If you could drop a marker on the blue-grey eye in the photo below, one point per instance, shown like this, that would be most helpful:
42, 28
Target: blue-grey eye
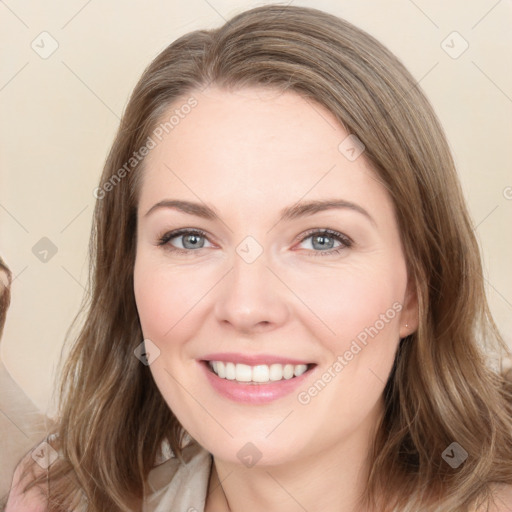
192, 241
189, 240
322, 242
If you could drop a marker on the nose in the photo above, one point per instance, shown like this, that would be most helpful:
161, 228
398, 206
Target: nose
251, 298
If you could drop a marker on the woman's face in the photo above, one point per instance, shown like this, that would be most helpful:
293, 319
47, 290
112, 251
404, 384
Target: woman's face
258, 282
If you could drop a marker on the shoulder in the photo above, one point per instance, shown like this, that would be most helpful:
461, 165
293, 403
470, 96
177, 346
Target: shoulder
32, 501
194, 460
502, 496
500, 499
174, 483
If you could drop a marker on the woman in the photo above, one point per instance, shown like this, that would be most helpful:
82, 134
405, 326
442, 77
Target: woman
280, 379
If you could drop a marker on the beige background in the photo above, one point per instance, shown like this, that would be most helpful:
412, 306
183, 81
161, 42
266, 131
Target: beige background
59, 115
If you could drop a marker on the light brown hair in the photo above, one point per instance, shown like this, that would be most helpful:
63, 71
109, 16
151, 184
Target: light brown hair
5, 292
441, 388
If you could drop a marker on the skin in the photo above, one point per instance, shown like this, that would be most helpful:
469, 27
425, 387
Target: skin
248, 154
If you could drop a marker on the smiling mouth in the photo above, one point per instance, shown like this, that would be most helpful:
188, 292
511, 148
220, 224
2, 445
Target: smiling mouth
257, 374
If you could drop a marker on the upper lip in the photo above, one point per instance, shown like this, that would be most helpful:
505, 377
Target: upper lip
252, 359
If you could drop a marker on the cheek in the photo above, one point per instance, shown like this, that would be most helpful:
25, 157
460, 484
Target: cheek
346, 303
359, 332
164, 297
150, 295
359, 307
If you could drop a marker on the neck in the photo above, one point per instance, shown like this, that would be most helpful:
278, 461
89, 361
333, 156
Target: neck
331, 480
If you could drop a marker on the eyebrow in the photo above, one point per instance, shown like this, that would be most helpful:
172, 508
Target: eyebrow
295, 211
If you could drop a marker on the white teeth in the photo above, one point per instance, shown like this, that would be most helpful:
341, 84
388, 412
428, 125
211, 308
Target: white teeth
220, 369
300, 369
260, 373
230, 371
288, 371
243, 372
276, 372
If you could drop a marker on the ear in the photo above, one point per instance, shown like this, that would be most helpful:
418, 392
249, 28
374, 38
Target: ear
410, 313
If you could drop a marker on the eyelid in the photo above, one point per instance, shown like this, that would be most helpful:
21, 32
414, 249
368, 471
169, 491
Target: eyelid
167, 236
326, 231
345, 241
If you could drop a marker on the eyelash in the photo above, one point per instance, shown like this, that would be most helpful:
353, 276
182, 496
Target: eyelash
164, 240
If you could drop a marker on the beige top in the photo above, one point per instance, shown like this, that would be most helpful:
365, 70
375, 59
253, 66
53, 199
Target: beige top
174, 486
171, 486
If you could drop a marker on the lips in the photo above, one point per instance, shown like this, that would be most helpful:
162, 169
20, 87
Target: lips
255, 378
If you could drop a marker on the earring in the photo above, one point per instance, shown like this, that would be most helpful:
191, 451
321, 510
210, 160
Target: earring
406, 325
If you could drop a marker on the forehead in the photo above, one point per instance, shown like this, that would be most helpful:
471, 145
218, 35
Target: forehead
253, 146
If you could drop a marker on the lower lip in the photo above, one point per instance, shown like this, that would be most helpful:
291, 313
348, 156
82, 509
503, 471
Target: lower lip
249, 393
